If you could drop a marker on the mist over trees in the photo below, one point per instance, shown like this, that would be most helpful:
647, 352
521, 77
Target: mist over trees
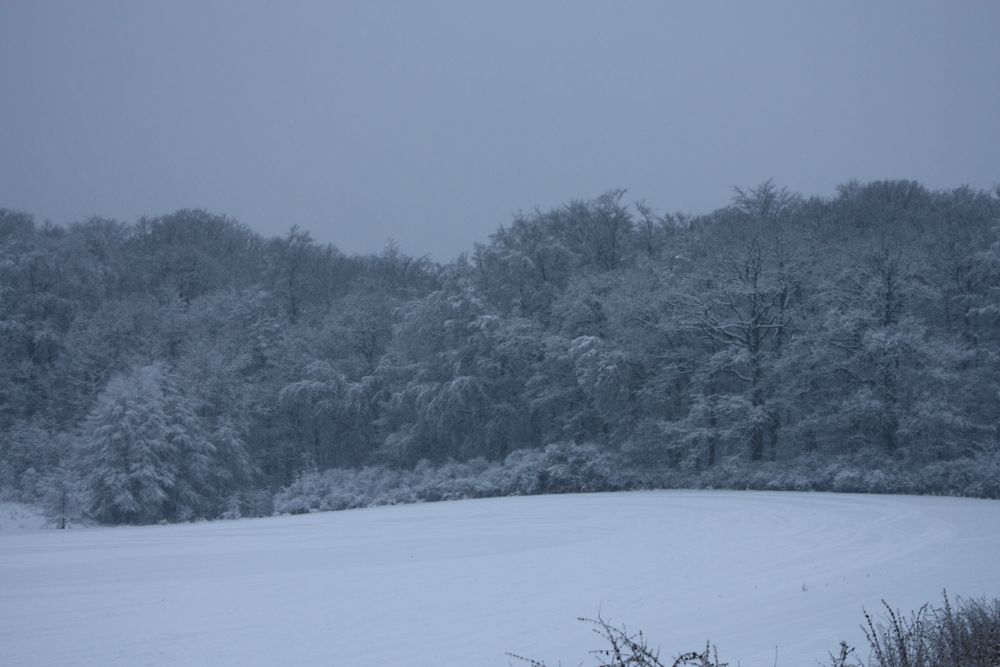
185, 367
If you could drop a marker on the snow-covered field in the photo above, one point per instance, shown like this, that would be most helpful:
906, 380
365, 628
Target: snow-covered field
460, 583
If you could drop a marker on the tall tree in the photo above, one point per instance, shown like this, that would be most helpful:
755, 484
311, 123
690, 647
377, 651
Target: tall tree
740, 307
144, 451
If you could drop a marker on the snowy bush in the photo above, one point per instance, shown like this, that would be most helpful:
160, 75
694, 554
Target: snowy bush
848, 481
559, 468
877, 481
581, 468
20, 516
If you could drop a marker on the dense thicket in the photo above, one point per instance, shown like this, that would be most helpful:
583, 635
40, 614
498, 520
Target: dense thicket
184, 366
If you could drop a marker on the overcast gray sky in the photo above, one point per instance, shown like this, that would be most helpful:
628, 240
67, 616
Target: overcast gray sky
433, 122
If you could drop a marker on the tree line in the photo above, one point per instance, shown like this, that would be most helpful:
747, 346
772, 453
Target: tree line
185, 366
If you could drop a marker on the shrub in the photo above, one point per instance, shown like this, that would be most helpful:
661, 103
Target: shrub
965, 635
574, 468
625, 649
559, 468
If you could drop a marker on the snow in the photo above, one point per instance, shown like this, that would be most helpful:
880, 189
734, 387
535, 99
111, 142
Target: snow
461, 583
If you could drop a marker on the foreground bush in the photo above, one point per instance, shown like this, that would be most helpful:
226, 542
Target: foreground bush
966, 635
625, 649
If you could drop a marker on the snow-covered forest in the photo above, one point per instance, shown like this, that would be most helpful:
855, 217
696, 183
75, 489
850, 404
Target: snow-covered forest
185, 367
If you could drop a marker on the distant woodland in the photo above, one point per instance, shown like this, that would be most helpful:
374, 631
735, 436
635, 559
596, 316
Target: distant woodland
185, 367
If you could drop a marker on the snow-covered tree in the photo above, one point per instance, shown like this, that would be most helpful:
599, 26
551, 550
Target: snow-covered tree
145, 453
740, 306
63, 496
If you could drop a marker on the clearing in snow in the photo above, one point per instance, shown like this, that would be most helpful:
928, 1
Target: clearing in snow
461, 583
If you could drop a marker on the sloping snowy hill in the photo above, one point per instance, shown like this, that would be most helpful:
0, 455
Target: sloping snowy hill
460, 583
